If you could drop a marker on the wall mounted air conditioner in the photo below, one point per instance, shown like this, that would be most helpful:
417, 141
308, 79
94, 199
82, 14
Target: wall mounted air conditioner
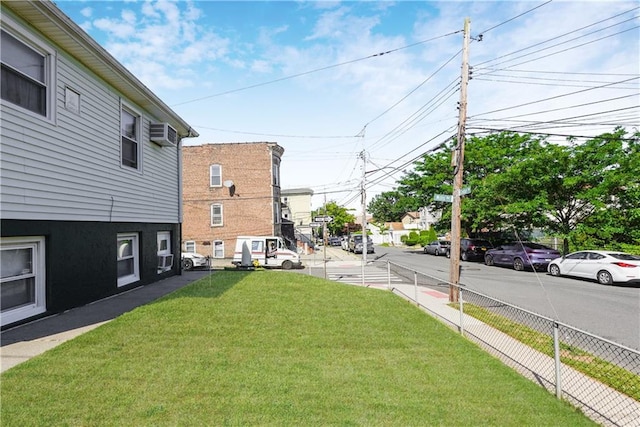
163, 134
165, 261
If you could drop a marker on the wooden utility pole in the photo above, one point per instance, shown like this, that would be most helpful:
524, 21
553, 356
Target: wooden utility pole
457, 161
365, 240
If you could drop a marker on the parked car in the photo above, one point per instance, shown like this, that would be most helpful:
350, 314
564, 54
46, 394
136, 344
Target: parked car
472, 249
335, 241
192, 259
607, 267
355, 244
437, 247
521, 256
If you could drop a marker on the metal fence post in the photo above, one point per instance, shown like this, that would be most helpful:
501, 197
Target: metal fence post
556, 353
415, 286
388, 275
460, 304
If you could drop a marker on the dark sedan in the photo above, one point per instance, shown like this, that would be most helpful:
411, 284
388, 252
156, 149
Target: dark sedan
521, 256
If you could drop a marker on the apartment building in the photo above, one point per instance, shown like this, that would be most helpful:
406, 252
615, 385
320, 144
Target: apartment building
229, 190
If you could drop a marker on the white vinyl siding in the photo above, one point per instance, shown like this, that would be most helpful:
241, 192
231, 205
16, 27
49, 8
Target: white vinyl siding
72, 171
23, 278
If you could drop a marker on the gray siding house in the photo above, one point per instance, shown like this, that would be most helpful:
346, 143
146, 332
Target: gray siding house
90, 173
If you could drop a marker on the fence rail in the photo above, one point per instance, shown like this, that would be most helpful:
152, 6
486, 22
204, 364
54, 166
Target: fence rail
598, 376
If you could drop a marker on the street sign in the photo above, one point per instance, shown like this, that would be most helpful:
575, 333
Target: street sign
315, 224
443, 198
465, 190
325, 218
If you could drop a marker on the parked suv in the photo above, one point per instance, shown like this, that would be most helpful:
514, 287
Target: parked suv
521, 255
355, 244
472, 249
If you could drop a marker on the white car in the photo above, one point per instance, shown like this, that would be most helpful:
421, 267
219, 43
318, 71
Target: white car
607, 267
192, 259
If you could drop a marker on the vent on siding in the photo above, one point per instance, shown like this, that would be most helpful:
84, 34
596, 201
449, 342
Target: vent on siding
163, 134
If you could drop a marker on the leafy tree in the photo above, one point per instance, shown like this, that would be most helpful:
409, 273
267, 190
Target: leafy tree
340, 215
390, 206
570, 190
587, 193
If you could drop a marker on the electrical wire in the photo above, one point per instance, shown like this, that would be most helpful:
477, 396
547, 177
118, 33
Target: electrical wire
304, 73
515, 17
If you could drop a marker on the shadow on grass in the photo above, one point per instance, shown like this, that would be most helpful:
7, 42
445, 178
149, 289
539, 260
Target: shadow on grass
107, 308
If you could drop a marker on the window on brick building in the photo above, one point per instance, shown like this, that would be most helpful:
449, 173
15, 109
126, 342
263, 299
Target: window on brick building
218, 249
216, 215
215, 176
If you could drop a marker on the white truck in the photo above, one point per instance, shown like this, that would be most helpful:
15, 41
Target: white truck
264, 251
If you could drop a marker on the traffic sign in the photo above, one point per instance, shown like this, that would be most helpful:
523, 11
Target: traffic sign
315, 224
325, 218
443, 198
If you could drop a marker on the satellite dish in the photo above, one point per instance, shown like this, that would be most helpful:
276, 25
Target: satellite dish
228, 183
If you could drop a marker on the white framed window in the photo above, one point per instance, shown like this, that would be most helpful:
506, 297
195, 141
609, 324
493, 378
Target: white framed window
190, 246
28, 72
130, 131
215, 175
165, 257
128, 258
218, 249
22, 278
216, 215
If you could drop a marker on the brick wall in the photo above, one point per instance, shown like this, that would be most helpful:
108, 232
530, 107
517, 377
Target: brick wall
249, 211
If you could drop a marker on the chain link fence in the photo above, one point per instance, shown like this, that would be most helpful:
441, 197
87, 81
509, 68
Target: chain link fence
598, 376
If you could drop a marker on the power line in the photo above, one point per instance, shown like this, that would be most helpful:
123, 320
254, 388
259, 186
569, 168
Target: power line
304, 73
515, 17
555, 97
563, 35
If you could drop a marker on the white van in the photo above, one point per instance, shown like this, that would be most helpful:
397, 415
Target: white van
266, 251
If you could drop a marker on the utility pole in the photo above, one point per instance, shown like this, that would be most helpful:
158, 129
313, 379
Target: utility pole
365, 241
457, 161
324, 239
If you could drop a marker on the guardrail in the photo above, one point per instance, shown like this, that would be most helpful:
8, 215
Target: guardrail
598, 376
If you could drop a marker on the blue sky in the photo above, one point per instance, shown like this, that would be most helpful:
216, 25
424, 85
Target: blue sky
308, 75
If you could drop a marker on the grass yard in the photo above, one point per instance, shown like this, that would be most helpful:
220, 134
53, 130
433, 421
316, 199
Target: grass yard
274, 348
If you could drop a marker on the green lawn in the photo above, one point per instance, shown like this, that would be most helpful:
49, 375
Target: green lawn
274, 348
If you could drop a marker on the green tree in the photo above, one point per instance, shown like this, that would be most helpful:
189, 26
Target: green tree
340, 214
390, 206
584, 193
587, 193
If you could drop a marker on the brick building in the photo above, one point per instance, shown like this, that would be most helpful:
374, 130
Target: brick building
229, 190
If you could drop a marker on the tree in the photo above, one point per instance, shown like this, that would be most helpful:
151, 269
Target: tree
587, 193
574, 190
340, 217
390, 206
